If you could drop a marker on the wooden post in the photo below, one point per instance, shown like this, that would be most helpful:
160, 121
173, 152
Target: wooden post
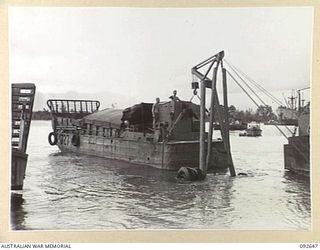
226, 125
221, 122
213, 88
202, 158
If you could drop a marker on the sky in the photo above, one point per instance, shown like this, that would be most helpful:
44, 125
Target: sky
138, 54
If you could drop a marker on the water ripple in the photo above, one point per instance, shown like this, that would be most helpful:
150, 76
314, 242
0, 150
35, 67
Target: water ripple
68, 191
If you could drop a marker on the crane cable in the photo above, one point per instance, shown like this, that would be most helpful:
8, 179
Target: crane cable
242, 88
258, 106
251, 90
299, 150
247, 85
266, 92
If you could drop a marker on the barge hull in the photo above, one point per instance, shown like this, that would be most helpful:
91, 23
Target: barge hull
174, 156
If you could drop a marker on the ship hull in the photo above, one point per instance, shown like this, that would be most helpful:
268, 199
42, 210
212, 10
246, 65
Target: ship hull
293, 159
167, 156
18, 169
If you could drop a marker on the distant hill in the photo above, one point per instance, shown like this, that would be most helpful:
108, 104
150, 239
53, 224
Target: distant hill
107, 99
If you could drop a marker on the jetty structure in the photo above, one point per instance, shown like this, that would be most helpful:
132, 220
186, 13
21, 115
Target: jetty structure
21, 113
176, 139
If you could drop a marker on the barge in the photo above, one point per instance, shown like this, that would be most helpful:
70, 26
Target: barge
132, 135
21, 114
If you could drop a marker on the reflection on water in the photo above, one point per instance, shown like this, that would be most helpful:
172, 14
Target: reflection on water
68, 191
17, 215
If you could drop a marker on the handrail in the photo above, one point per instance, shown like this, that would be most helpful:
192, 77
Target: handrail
73, 106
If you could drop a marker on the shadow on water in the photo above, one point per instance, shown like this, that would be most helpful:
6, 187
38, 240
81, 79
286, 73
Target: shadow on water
17, 212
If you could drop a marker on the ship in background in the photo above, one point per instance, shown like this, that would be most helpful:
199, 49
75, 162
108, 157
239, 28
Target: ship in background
288, 114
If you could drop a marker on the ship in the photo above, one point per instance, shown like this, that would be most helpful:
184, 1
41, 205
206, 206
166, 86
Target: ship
288, 114
79, 126
297, 150
21, 114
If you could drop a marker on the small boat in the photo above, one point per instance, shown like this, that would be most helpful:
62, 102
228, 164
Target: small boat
253, 129
22, 104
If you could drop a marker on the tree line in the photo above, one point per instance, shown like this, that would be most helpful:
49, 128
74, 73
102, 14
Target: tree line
261, 114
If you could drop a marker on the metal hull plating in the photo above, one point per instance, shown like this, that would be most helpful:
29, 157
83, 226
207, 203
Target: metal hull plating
293, 159
18, 169
168, 156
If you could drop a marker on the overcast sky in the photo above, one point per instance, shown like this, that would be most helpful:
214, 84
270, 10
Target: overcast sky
145, 53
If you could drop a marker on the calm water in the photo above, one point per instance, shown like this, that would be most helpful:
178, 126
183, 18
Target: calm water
67, 191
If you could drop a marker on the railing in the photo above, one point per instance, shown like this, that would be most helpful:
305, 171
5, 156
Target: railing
61, 106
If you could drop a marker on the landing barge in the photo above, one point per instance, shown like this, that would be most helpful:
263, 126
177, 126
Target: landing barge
129, 135
21, 113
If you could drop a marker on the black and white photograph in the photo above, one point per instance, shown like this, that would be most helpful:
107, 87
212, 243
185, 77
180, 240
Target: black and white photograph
133, 118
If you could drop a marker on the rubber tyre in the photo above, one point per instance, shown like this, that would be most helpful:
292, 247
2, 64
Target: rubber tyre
75, 140
55, 139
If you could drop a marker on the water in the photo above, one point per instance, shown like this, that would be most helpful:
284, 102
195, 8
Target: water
68, 191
